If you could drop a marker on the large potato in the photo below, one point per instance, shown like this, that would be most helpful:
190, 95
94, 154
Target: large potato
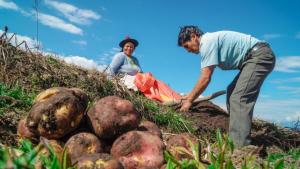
180, 140
83, 143
151, 127
98, 161
112, 116
57, 111
138, 149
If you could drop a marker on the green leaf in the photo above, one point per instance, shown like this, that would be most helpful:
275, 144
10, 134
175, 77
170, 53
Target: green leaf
279, 164
170, 164
54, 164
64, 159
211, 167
219, 139
26, 146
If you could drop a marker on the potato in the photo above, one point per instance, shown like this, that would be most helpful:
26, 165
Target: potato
151, 127
112, 116
139, 149
24, 132
180, 140
98, 161
83, 143
57, 111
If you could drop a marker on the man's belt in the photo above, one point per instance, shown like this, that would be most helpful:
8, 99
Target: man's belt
255, 48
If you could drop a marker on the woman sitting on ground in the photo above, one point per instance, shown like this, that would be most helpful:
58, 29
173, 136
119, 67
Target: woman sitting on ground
124, 62
128, 67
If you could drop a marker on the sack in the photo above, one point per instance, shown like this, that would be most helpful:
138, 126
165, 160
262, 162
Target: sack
154, 89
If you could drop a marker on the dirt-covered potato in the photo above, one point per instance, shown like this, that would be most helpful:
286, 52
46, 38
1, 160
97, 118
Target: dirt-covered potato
112, 116
180, 140
24, 132
83, 143
151, 127
138, 149
98, 161
57, 111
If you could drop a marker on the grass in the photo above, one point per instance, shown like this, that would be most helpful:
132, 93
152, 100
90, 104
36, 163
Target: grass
14, 97
26, 156
161, 115
219, 156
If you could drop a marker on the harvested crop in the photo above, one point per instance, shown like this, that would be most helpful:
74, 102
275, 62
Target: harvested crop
81, 144
57, 111
150, 127
138, 149
112, 116
98, 161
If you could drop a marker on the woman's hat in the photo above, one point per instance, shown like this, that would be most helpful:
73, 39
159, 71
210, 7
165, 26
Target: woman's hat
128, 39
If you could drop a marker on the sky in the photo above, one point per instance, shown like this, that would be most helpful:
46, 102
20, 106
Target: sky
87, 33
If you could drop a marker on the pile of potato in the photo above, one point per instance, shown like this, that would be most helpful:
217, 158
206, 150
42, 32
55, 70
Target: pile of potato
116, 139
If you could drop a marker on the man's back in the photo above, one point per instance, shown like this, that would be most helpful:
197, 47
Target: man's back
226, 49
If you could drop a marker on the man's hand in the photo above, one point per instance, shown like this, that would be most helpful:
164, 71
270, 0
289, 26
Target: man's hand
186, 104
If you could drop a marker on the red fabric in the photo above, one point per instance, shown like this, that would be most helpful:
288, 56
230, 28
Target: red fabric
154, 89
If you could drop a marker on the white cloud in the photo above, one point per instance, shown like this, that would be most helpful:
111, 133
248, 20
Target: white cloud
74, 14
8, 5
83, 62
80, 42
271, 36
45, 19
20, 38
277, 110
58, 23
288, 64
107, 56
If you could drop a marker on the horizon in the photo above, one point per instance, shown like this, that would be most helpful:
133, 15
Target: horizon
88, 34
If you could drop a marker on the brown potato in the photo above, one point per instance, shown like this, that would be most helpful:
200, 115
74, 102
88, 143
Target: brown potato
151, 127
57, 111
24, 132
180, 140
98, 161
112, 116
83, 143
138, 149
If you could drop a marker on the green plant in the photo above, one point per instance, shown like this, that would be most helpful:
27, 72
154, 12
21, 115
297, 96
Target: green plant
225, 147
14, 97
290, 159
162, 115
26, 156
174, 120
192, 162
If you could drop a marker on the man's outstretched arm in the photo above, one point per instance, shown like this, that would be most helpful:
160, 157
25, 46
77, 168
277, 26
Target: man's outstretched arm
202, 83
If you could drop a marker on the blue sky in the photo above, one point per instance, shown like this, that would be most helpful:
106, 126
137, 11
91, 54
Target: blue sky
88, 33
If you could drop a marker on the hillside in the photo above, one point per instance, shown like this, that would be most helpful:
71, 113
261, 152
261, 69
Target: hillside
27, 73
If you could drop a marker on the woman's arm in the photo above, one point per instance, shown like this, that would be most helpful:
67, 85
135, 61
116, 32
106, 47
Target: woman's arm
116, 63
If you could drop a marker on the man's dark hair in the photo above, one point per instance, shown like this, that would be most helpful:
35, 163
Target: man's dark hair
185, 33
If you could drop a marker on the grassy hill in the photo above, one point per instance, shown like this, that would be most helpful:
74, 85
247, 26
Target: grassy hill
24, 74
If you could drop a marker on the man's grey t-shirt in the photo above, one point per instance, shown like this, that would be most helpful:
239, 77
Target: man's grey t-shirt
226, 49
